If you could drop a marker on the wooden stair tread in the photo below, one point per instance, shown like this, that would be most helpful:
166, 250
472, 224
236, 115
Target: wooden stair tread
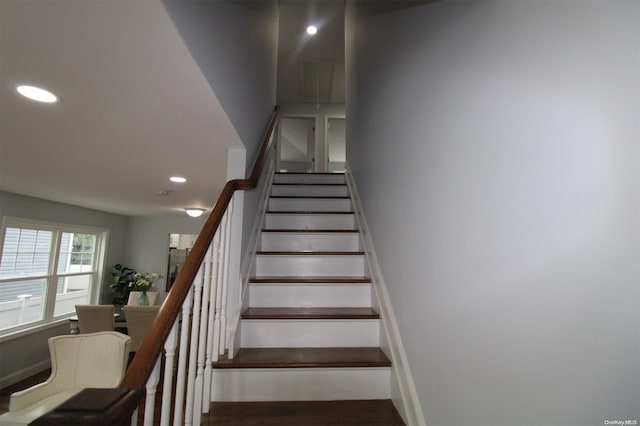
310, 280
303, 231
310, 173
342, 357
324, 197
372, 412
307, 212
308, 184
310, 253
310, 313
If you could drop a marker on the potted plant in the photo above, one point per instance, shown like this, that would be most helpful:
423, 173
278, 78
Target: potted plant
123, 279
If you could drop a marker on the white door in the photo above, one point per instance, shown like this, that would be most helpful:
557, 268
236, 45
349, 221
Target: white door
297, 142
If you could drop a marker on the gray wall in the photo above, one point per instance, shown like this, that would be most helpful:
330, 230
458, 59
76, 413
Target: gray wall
495, 148
147, 247
235, 44
30, 351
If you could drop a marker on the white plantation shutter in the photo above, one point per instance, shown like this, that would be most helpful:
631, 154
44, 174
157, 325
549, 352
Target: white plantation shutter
25, 252
45, 265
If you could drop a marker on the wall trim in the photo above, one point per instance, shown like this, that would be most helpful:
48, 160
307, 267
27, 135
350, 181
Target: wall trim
403, 391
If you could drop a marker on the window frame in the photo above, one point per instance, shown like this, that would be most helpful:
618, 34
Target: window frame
52, 274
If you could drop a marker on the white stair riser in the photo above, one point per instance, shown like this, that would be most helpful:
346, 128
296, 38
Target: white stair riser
300, 384
308, 178
309, 266
314, 241
309, 333
310, 204
310, 295
310, 190
309, 221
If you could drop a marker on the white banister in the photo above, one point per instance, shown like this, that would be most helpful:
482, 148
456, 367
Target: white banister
202, 338
170, 351
196, 340
150, 401
193, 347
219, 284
212, 282
181, 378
225, 282
134, 417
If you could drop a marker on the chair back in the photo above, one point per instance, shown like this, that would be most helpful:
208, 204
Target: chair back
135, 295
139, 320
95, 360
95, 318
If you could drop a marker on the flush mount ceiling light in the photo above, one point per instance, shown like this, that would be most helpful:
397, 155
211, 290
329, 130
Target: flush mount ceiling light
178, 179
37, 94
194, 211
312, 29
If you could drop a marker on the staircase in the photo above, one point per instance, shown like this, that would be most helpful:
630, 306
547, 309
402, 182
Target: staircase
309, 332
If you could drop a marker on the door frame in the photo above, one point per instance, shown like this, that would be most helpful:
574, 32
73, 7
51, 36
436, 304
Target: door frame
311, 151
328, 117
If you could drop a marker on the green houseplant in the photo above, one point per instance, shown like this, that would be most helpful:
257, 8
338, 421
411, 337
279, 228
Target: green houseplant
123, 278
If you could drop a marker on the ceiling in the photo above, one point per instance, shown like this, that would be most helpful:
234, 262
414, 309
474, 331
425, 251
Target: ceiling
311, 68
128, 97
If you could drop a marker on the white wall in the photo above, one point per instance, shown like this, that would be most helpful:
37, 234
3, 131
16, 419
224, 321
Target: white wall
25, 355
235, 45
495, 148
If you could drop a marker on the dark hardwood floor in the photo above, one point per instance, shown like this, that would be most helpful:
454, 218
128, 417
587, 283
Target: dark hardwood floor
305, 413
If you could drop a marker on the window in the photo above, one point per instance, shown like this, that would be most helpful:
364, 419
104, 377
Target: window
45, 270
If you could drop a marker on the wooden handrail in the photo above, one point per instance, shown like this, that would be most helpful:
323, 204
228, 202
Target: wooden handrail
144, 361
140, 369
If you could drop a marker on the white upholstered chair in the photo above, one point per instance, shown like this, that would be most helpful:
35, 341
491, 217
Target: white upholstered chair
94, 318
139, 320
135, 295
96, 360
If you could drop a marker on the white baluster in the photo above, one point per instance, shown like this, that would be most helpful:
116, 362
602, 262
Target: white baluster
225, 281
134, 417
167, 387
150, 400
181, 378
193, 347
219, 279
202, 338
206, 394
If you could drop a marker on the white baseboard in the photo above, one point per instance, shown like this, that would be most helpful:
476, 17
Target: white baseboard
403, 391
17, 376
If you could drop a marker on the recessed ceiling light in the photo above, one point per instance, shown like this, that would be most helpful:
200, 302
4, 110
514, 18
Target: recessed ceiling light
194, 211
37, 94
311, 29
178, 179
